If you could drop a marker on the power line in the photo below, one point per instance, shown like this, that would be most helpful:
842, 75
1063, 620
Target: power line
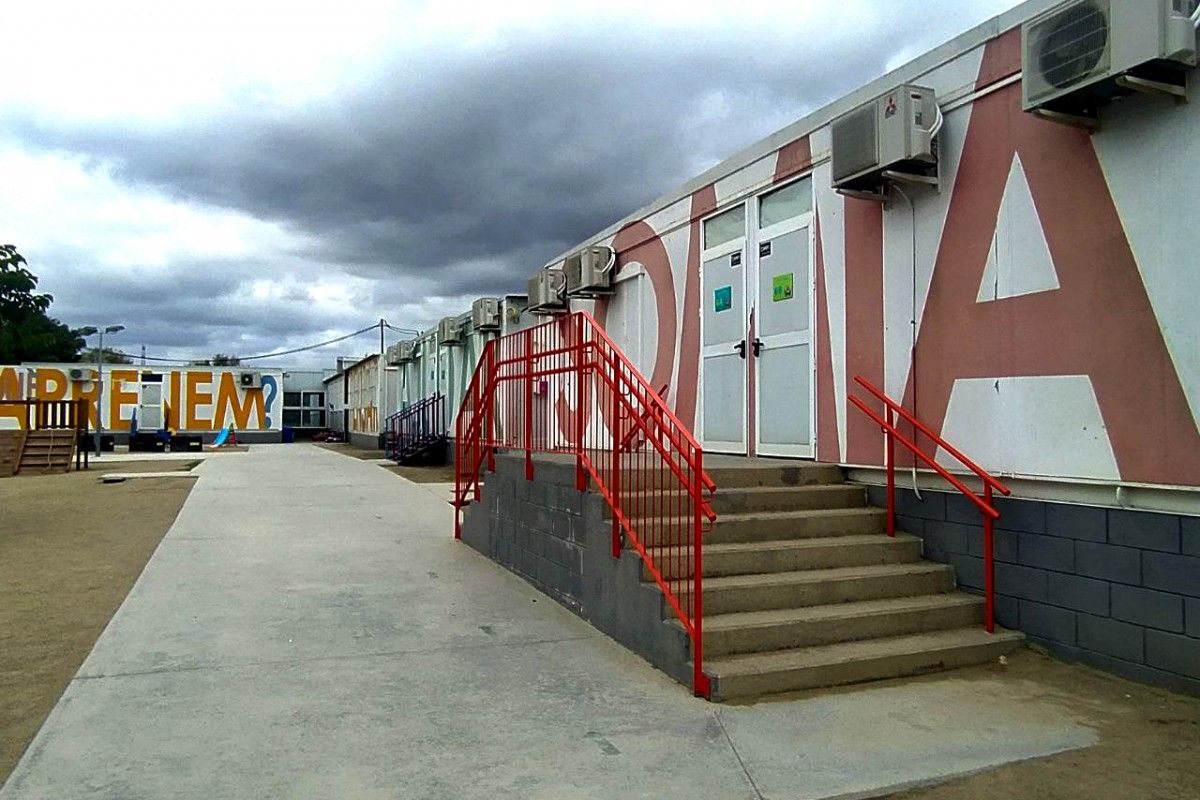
185, 360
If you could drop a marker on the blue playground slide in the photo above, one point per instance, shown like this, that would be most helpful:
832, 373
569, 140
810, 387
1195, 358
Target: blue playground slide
222, 436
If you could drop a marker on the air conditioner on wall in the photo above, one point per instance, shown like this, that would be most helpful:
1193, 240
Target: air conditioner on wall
1082, 54
891, 138
449, 331
589, 272
400, 353
546, 292
485, 313
77, 374
250, 380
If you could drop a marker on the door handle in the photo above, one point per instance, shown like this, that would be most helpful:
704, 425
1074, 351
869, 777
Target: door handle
741, 348
757, 346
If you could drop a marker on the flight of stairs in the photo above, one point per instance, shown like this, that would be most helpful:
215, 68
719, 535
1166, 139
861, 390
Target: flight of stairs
47, 451
11, 442
803, 588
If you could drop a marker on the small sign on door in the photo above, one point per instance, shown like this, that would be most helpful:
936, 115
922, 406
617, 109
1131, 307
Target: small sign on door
722, 298
781, 287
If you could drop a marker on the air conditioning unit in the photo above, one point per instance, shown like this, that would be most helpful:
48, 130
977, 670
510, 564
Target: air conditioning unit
546, 292
1083, 53
449, 331
77, 374
400, 353
589, 272
890, 138
250, 380
485, 313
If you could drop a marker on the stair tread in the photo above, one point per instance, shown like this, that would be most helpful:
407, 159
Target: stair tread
823, 575
812, 543
860, 650
858, 608
805, 513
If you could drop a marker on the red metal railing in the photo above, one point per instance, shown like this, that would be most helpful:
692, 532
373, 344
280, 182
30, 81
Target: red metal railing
984, 504
37, 415
565, 387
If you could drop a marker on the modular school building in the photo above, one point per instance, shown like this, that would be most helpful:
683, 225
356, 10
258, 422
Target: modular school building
1024, 280
258, 403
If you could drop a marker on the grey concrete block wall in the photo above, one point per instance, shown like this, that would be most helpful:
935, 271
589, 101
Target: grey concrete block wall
559, 540
1115, 588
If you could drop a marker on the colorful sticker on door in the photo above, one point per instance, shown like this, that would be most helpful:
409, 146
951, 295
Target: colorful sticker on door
722, 298
781, 287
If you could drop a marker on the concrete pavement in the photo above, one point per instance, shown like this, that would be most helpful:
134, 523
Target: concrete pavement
308, 628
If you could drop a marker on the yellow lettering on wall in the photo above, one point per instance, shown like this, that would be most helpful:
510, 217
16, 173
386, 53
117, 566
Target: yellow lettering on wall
196, 398
10, 389
86, 390
119, 397
49, 384
228, 394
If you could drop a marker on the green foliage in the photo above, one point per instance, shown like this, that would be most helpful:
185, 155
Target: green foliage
219, 360
108, 356
26, 332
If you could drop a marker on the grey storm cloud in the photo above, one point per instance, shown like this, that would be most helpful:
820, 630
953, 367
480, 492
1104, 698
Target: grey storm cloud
456, 172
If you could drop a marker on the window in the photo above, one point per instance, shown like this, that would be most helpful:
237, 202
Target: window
725, 227
304, 409
783, 204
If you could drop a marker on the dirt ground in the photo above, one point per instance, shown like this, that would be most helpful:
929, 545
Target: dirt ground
442, 474
354, 451
1149, 746
424, 474
71, 547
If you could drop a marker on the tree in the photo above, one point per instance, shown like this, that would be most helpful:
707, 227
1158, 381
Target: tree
26, 332
219, 360
108, 356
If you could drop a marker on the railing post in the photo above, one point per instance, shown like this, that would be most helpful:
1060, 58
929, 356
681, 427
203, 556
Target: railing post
989, 567
616, 463
579, 419
891, 473
700, 683
489, 402
529, 404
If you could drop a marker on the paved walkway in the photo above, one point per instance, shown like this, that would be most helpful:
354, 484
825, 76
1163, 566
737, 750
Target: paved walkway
309, 629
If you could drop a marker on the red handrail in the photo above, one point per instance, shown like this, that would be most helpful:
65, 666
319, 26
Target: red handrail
565, 387
984, 504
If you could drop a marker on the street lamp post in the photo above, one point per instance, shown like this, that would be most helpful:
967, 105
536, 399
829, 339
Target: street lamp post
89, 331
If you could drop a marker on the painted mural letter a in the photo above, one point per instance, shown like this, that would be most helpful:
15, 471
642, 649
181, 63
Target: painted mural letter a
1097, 322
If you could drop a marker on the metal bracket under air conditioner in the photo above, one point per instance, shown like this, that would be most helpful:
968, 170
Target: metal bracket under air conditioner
1176, 91
894, 176
1085, 121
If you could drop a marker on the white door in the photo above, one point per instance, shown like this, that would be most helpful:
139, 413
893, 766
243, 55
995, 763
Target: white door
783, 347
150, 404
723, 320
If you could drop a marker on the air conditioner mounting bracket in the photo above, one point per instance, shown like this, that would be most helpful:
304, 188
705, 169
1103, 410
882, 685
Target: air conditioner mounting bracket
1176, 91
1090, 123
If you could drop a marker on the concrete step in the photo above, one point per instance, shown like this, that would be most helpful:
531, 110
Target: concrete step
740, 500
813, 523
789, 628
817, 587
765, 472
788, 555
759, 674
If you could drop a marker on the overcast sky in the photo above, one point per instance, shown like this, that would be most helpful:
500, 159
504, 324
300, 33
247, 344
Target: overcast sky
248, 176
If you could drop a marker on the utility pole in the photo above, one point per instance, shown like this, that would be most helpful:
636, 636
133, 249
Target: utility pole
143, 355
382, 322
